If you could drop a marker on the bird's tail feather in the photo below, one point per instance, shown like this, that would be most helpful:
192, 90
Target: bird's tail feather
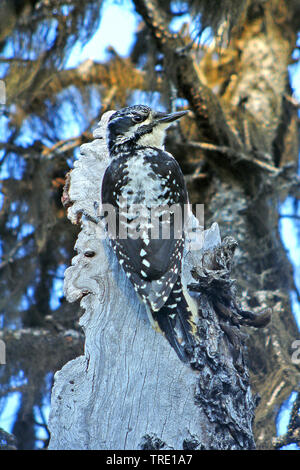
175, 319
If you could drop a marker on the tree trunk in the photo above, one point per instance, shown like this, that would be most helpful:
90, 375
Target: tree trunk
247, 123
130, 390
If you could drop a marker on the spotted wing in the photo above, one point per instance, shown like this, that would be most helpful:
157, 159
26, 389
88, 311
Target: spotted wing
152, 264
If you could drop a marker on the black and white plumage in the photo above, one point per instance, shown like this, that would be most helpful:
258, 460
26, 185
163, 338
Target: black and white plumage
143, 177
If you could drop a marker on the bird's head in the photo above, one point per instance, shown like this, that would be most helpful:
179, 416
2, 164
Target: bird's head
138, 126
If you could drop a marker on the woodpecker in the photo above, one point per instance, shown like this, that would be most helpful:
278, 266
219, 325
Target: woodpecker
142, 175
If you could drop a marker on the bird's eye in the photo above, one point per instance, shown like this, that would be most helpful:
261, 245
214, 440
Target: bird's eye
137, 118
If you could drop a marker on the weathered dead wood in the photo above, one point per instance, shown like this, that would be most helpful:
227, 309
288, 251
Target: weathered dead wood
129, 390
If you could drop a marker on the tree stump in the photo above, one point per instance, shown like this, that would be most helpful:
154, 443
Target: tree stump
130, 390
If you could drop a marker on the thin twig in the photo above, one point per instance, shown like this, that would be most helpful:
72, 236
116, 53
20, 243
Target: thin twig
10, 256
62, 146
69, 144
239, 156
290, 216
292, 100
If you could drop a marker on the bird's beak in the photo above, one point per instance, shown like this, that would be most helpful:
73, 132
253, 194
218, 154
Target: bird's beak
166, 118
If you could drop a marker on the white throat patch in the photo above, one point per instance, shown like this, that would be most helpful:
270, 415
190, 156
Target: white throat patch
155, 138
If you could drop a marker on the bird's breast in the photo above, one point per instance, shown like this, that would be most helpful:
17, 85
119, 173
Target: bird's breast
144, 184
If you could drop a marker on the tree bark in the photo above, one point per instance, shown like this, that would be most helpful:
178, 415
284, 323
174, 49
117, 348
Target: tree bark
130, 390
247, 125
